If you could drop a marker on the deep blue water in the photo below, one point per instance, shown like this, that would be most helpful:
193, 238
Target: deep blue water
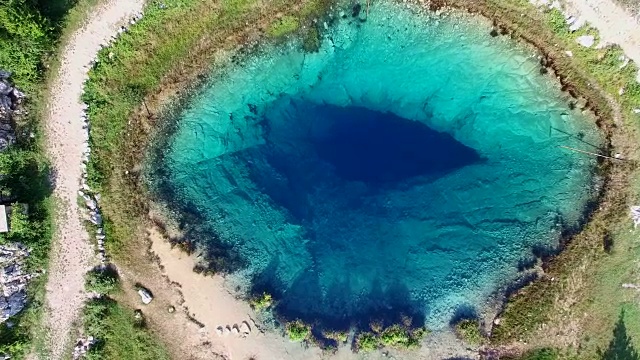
407, 167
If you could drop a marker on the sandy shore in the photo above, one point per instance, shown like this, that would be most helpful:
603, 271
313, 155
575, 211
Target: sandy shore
71, 251
210, 301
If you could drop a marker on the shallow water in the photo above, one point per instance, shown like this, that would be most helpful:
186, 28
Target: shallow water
409, 167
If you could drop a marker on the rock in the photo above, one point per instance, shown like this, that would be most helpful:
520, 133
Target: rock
636, 111
5, 75
145, 295
235, 330
621, 91
244, 328
96, 218
219, 330
569, 53
5, 89
13, 281
171, 309
91, 204
226, 331
586, 40
17, 94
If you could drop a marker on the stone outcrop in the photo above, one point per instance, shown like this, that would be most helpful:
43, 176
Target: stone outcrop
13, 280
82, 347
10, 100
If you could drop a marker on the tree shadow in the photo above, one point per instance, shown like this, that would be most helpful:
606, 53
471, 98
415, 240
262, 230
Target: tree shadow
620, 347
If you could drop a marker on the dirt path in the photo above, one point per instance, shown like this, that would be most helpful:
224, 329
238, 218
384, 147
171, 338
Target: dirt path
615, 24
72, 253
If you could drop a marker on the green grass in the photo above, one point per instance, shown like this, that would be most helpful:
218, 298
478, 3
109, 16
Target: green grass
120, 334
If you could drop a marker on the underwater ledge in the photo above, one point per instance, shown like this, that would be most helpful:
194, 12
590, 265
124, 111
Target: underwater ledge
598, 106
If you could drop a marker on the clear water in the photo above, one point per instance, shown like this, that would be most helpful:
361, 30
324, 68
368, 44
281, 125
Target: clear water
408, 167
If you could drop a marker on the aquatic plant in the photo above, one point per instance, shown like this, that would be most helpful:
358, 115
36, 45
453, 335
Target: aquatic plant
297, 330
261, 302
283, 26
339, 336
367, 341
469, 331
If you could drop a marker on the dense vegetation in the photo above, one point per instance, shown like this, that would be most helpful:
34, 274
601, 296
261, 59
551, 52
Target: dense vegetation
28, 33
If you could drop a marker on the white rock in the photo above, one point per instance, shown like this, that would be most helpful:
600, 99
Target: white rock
569, 53
235, 330
586, 40
145, 296
226, 331
219, 330
636, 111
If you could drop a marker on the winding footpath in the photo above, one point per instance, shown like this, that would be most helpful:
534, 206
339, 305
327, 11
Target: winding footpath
72, 252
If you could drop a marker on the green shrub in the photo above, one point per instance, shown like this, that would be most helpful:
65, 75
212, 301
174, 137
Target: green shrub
261, 302
469, 331
284, 26
103, 280
557, 22
297, 330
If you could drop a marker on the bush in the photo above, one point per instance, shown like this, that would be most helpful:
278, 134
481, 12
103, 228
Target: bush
103, 280
298, 331
469, 331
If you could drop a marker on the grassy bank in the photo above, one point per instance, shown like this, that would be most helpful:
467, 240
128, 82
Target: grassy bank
572, 310
120, 332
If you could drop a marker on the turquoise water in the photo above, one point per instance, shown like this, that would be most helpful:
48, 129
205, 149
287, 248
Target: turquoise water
409, 166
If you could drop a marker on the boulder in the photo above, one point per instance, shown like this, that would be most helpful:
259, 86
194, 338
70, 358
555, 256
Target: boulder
145, 295
226, 331
235, 330
219, 330
5, 89
586, 40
